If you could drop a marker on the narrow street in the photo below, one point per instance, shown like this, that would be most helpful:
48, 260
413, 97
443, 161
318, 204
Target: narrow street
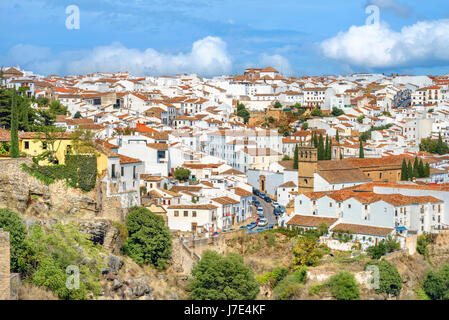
267, 210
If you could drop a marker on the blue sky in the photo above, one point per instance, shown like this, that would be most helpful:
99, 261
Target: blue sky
212, 37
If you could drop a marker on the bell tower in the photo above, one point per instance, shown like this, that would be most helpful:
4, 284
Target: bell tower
307, 166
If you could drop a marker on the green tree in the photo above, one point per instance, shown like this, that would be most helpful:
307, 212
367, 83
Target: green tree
415, 168
285, 129
12, 223
296, 157
361, 151
15, 152
291, 285
306, 252
404, 175
243, 113
360, 119
421, 244
320, 149
329, 149
441, 147
336, 112
410, 170
436, 283
427, 170
277, 105
77, 115
337, 137
286, 158
316, 112
305, 126
343, 286
390, 281
323, 229
182, 173
421, 169
149, 239
217, 277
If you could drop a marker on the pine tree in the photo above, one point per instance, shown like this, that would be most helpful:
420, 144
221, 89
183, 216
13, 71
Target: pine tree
427, 170
361, 151
421, 169
321, 148
410, 170
296, 157
15, 153
404, 175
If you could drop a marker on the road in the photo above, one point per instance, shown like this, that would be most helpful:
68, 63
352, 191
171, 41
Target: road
267, 210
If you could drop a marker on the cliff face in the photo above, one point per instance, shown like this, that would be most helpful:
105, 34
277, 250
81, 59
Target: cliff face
25, 194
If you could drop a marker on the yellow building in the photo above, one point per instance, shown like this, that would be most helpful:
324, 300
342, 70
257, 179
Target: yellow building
34, 144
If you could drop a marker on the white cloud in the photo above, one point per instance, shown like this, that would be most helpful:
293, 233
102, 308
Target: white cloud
399, 9
278, 62
378, 46
207, 57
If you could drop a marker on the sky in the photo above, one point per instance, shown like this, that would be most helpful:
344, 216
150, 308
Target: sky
216, 37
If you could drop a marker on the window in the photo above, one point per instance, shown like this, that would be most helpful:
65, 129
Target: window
113, 171
193, 213
186, 213
349, 206
176, 213
366, 207
330, 204
134, 172
27, 145
122, 171
314, 202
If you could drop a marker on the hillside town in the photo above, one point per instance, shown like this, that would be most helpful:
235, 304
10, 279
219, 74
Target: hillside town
238, 134
364, 156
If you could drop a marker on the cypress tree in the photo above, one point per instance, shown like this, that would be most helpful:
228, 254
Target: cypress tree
329, 152
427, 170
410, 170
315, 140
15, 153
415, 168
296, 157
361, 151
341, 155
440, 147
326, 148
337, 137
404, 175
321, 148
421, 169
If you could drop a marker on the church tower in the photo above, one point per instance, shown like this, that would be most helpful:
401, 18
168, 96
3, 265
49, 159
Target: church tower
307, 166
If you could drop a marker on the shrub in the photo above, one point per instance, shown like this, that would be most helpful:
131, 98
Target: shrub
436, 283
422, 243
273, 277
217, 277
50, 253
182, 173
12, 223
390, 281
307, 252
343, 286
291, 285
149, 239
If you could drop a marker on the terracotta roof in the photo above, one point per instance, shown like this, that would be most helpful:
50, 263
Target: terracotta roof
288, 184
5, 135
193, 206
362, 229
225, 200
127, 160
158, 146
310, 221
241, 192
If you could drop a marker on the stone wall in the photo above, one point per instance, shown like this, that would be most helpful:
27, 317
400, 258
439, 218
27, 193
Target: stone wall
5, 282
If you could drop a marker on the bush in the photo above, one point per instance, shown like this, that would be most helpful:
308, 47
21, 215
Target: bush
50, 253
273, 277
307, 252
217, 277
422, 243
12, 223
182, 173
390, 281
387, 245
436, 283
343, 286
291, 285
149, 239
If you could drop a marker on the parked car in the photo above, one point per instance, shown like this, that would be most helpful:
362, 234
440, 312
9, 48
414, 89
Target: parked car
257, 203
262, 195
256, 192
267, 199
242, 227
259, 211
282, 209
277, 211
252, 225
275, 204
262, 222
